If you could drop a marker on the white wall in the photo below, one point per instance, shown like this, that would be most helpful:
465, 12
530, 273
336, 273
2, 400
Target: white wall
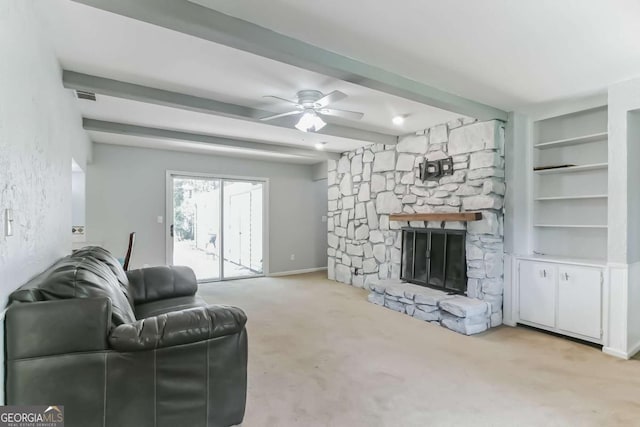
78, 197
319, 171
319, 231
39, 131
126, 192
517, 200
633, 205
624, 149
623, 211
517, 205
633, 295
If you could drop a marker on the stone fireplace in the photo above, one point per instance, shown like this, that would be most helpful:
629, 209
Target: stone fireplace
368, 185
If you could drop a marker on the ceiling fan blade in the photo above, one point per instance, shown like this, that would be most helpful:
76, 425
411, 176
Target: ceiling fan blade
281, 99
330, 98
350, 115
277, 116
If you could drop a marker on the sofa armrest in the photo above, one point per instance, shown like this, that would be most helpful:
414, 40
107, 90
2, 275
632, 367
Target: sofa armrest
57, 327
178, 327
155, 283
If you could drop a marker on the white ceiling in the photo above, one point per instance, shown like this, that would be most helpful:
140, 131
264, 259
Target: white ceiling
505, 53
95, 42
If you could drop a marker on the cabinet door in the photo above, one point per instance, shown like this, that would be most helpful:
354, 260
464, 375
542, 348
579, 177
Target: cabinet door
580, 300
538, 292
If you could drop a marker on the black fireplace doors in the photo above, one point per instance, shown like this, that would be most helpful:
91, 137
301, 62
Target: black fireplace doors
435, 258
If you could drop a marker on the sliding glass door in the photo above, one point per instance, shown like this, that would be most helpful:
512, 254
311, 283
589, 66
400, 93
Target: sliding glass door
217, 226
242, 236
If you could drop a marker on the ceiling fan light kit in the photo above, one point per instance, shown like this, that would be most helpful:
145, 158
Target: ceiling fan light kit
312, 105
310, 122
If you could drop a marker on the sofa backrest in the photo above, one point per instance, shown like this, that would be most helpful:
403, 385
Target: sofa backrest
103, 255
78, 276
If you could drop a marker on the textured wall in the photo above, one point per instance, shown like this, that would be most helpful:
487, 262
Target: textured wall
126, 192
369, 184
40, 130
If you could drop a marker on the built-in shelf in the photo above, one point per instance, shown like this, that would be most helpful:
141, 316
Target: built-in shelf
585, 197
454, 216
569, 195
572, 141
604, 227
570, 169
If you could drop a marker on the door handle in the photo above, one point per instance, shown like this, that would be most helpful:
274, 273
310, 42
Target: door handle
171, 230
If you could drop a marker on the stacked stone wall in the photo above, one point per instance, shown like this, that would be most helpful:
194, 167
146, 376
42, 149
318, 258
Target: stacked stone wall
365, 186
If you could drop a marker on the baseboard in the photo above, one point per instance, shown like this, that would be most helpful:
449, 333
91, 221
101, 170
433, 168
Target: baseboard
634, 350
615, 353
294, 272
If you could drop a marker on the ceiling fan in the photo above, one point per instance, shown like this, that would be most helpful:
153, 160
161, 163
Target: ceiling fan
312, 104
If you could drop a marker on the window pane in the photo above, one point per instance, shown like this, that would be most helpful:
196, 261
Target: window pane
243, 213
196, 225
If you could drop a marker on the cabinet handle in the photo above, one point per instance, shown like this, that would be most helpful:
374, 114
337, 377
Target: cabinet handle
544, 273
566, 276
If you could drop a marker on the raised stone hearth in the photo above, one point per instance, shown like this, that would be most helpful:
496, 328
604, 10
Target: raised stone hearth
459, 313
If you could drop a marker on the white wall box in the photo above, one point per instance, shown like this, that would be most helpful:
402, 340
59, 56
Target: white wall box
562, 298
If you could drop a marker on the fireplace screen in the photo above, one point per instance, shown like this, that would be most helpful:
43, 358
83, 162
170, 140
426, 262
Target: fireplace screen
434, 258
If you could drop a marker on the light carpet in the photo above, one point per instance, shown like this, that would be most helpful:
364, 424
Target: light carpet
321, 355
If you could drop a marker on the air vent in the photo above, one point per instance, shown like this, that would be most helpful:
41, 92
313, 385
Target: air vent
82, 94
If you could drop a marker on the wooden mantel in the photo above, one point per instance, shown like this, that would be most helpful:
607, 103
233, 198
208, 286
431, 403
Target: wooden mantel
457, 216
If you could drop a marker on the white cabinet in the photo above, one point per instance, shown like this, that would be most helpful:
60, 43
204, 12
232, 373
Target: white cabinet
538, 293
579, 299
562, 298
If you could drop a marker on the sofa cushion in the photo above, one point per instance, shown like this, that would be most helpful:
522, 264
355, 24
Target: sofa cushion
168, 305
161, 282
78, 277
178, 327
30, 291
104, 256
